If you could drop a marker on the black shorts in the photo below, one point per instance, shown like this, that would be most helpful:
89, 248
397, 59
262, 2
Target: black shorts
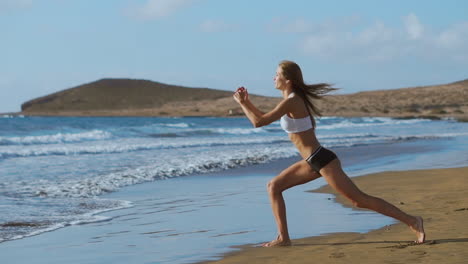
320, 158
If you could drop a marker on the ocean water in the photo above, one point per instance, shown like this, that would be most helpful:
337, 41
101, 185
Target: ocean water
56, 171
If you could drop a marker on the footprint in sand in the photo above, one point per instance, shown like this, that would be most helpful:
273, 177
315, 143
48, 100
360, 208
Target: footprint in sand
337, 255
419, 252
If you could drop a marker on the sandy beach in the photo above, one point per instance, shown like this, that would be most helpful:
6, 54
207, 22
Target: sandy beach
440, 196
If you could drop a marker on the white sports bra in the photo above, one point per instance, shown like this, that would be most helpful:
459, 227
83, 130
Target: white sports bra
295, 125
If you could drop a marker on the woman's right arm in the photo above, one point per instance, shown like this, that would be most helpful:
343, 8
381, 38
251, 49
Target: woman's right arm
253, 108
257, 117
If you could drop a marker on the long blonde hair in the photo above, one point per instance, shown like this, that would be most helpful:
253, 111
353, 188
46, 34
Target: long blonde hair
308, 92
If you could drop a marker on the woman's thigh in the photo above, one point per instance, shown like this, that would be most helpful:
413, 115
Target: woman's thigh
296, 174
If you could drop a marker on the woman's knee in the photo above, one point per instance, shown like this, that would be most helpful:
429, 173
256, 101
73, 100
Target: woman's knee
360, 201
357, 203
274, 187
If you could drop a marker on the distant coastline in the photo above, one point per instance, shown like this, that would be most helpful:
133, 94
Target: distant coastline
127, 97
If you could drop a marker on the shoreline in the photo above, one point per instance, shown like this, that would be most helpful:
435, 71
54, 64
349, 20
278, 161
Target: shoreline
442, 200
457, 117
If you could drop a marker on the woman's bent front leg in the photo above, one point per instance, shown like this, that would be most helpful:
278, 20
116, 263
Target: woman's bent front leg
296, 174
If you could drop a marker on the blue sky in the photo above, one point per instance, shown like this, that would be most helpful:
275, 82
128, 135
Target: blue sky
51, 45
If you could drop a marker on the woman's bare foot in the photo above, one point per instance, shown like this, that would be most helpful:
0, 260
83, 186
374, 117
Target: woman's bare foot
278, 242
418, 228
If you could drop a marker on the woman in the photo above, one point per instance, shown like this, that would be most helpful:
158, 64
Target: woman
296, 112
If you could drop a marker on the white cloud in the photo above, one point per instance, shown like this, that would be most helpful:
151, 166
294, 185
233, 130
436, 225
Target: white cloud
455, 36
370, 43
301, 25
212, 26
321, 43
414, 28
379, 42
454, 40
9, 5
298, 26
157, 9
377, 33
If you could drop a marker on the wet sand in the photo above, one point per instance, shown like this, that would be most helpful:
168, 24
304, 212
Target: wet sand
440, 196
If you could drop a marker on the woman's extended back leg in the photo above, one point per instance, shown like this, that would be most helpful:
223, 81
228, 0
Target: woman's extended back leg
338, 180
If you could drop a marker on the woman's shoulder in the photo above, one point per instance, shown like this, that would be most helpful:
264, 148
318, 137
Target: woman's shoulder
297, 105
294, 98
290, 102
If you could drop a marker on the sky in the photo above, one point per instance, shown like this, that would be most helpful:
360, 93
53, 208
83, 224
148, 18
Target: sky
360, 45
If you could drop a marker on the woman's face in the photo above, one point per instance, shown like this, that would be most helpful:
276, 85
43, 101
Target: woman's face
280, 81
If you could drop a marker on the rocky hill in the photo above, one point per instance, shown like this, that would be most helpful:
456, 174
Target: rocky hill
115, 95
